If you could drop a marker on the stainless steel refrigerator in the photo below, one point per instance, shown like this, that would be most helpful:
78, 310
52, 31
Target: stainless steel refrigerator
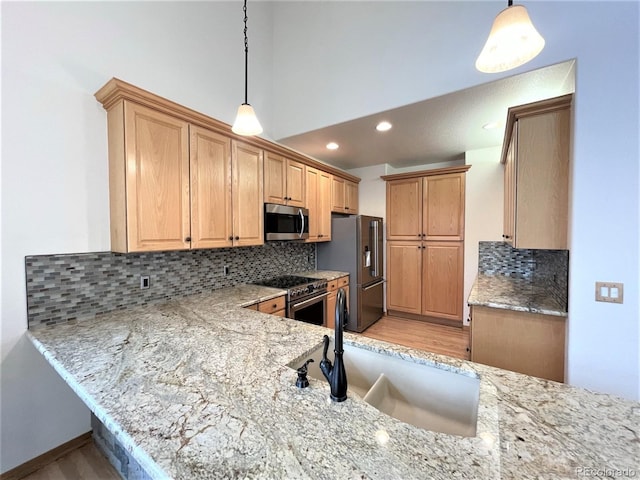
356, 247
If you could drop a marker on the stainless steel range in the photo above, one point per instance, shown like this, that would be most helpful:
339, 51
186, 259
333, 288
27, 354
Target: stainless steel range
306, 297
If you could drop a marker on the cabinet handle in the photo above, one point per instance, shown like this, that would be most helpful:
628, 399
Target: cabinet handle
346, 208
188, 239
237, 238
231, 237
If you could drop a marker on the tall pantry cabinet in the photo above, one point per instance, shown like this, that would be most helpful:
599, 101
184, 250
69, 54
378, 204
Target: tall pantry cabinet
425, 244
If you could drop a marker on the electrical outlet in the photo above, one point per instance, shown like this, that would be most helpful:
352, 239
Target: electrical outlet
226, 270
610, 292
145, 282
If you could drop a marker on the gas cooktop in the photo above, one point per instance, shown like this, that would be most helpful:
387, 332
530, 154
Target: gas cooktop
286, 281
296, 286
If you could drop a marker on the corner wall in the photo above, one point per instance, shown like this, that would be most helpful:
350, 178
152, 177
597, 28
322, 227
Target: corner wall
483, 209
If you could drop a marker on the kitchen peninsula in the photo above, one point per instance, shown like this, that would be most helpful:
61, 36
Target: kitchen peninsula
199, 387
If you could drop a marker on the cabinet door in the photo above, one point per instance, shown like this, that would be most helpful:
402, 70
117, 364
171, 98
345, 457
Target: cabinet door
510, 189
337, 195
211, 214
443, 208
542, 172
404, 209
350, 197
246, 201
157, 180
523, 342
296, 184
324, 206
313, 195
442, 279
404, 271
275, 178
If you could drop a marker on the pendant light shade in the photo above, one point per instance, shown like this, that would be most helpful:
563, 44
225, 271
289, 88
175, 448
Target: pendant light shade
246, 123
512, 42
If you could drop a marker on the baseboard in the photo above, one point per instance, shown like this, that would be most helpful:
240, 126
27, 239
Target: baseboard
427, 319
46, 458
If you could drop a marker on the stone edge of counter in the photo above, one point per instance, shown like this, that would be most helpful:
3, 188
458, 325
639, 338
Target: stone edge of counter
323, 274
125, 440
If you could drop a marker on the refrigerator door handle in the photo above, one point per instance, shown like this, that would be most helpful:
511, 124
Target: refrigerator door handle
374, 242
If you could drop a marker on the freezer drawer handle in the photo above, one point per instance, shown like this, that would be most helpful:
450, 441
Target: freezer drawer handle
372, 286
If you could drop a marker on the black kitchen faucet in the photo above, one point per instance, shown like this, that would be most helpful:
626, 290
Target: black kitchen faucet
335, 374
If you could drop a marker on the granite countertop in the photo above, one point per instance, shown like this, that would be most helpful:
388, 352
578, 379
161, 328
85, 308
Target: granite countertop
200, 388
323, 274
499, 291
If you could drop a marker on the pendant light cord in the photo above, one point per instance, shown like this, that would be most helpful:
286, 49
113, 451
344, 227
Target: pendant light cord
246, 54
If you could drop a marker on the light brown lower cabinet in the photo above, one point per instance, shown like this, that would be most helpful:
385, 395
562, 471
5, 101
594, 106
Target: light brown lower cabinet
275, 306
426, 278
523, 342
332, 288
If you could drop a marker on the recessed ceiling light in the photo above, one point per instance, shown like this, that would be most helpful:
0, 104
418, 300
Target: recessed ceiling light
383, 126
332, 146
491, 125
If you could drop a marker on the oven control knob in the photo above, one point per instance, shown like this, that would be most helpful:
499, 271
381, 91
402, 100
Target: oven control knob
310, 288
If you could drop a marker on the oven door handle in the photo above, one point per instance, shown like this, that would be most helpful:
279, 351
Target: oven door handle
301, 304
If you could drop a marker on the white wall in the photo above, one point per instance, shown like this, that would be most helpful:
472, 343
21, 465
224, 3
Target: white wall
54, 153
381, 55
483, 209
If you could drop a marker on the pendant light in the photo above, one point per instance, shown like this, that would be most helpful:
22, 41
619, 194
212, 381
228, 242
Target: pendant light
512, 42
246, 123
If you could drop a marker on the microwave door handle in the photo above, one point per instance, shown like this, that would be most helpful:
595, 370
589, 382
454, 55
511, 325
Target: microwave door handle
302, 226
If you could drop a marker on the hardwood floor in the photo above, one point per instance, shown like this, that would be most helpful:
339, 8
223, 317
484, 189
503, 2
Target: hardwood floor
442, 339
84, 463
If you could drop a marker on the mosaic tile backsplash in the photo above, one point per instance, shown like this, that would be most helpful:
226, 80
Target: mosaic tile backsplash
78, 286
548, 267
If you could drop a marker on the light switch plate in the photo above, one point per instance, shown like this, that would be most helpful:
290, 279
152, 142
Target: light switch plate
610, 292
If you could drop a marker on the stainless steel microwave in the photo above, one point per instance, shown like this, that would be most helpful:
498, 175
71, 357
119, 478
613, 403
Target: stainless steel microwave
282, 222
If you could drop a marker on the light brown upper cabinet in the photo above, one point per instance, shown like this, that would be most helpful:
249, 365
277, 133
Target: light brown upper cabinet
536, 154
318, 192
211, 208
175, 186
179, 179
246, 198
427, 207
284, 181
149, 180
344, 194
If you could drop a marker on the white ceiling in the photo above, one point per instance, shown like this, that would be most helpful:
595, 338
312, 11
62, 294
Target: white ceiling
434, 130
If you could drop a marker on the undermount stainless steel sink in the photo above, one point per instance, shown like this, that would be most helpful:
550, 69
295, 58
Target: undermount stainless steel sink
422, 395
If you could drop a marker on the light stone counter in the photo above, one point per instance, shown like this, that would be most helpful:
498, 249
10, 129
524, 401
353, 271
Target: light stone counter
323, 274
199, 388
499, 291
